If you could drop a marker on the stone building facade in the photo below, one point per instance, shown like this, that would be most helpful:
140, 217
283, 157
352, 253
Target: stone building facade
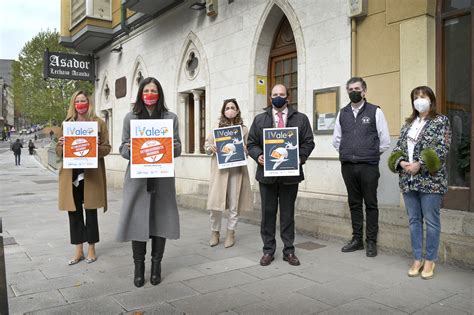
239, 49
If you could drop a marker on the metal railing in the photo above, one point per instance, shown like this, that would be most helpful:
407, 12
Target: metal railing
52, 158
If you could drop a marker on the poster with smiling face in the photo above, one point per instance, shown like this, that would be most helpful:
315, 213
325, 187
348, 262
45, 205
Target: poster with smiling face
281, 152
230, 147
151, 147
80, 144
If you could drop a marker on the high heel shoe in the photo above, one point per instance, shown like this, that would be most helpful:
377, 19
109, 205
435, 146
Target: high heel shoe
426, 275
139, 251
214, 238
415, 272
157, 250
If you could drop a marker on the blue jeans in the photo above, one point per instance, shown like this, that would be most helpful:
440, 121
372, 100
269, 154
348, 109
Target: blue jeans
424, 207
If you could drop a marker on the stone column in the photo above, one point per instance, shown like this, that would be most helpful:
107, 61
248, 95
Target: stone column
181, 112
197, 111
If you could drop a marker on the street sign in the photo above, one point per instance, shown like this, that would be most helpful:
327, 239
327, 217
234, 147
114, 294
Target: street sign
68, 66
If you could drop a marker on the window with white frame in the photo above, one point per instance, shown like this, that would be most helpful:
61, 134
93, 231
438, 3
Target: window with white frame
195, 117
98, 9
106, 115
78, 11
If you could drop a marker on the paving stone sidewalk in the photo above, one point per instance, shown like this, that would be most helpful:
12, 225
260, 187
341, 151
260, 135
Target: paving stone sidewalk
198, 279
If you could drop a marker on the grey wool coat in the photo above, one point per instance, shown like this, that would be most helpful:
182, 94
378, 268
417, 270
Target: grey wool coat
146, 214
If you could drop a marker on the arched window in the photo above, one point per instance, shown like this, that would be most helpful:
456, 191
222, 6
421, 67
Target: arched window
136, 77
283, 65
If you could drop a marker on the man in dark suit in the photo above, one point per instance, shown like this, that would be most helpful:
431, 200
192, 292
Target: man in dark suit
281, 190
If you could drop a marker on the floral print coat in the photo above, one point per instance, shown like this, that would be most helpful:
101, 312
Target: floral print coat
436, 135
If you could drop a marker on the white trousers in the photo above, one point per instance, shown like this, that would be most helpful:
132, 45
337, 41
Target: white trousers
231, 204
216, 218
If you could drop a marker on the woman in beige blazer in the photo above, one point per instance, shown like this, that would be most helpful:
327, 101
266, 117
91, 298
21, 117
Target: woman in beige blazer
84, 189
229, 189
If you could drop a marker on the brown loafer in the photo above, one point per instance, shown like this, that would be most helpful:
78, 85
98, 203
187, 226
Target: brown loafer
292, 259
266, 259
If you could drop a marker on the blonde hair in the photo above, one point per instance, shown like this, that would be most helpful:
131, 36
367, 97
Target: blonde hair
71, 112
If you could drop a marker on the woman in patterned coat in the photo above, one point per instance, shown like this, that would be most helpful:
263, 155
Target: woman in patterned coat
420, 160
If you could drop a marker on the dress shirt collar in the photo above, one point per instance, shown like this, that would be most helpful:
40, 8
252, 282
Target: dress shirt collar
285, 111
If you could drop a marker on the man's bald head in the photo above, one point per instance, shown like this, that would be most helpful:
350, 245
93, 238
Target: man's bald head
279, 97
279, 90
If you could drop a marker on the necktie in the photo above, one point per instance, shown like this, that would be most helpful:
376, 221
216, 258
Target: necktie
281, 123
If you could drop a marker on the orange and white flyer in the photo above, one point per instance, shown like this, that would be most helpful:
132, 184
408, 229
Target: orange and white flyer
151, 147
80, 144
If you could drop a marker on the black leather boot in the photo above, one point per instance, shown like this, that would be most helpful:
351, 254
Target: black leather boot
139, 251
371, 249
157, 250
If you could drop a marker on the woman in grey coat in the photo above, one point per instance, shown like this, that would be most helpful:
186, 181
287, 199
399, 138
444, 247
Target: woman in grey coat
149, 208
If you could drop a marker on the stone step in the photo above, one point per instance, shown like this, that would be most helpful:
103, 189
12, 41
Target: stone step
453, 222
330, 220
202, 189
192, 201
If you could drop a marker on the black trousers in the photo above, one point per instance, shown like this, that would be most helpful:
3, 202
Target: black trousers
272, 195
80, 232
17, 159
361, 181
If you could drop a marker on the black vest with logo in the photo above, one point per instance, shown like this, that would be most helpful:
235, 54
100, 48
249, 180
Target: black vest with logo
359, 137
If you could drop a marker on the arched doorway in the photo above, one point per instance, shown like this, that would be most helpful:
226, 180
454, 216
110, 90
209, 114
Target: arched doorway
283, 62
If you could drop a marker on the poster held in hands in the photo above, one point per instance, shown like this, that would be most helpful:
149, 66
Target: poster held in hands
281, 152
151, 148
80, 144
229, 143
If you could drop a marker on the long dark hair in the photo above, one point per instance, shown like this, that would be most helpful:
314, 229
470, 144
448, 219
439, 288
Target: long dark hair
422, 90
224, 121
139, 106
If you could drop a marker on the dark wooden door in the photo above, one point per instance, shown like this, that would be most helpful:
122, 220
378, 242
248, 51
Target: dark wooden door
283, 63
455, 88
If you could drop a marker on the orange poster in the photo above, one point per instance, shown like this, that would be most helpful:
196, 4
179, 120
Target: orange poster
151, 148
80, 147
80, 144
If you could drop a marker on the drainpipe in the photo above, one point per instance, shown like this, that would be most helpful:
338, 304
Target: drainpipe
353, 46
123, 19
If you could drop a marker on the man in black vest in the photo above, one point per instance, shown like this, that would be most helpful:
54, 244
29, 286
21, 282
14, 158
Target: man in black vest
279, 190
361, 135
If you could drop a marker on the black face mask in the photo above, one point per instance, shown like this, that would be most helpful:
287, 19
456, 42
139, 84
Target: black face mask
279, 101
355, 96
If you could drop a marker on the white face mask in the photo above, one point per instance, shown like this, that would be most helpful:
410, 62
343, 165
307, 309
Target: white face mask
422, 105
